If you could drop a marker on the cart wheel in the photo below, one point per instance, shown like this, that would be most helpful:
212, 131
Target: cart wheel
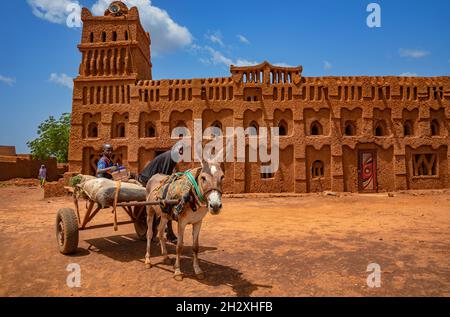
67, 230
140, 225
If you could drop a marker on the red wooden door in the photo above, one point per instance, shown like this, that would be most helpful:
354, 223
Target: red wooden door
367, 171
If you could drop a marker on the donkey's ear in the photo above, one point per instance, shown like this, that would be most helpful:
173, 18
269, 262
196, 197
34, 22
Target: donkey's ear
205, 165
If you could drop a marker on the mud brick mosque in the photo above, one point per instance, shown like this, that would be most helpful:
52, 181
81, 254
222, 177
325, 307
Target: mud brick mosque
366, 134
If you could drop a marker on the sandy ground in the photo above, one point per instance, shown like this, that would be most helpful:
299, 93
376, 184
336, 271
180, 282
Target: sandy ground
297, 246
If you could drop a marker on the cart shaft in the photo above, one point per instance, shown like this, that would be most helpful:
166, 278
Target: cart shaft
148, 203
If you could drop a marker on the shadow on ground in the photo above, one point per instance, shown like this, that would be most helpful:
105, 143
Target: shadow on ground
126, 248
217, 275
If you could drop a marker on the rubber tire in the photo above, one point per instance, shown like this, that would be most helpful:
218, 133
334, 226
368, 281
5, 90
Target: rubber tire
70, 221
140, 227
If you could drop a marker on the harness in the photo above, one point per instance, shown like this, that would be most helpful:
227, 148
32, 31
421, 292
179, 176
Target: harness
199, 197
165, 185
193, 181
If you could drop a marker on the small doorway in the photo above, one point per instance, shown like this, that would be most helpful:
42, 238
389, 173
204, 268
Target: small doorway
367, 171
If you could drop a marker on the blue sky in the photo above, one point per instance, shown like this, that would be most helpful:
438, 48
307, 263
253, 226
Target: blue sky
200, 38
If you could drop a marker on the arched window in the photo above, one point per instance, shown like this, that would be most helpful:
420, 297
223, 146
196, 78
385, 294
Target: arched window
317, 169
380, 129
408, 128
282, 128
114, 36
150, 131
203, 93
316, 128
255, 127
120, 130
91, 37
126, 35
435, 129
103, 36
350, 128
92, 130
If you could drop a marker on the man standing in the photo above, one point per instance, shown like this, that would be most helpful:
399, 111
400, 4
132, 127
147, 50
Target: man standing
105, 165
42, 175
162, 164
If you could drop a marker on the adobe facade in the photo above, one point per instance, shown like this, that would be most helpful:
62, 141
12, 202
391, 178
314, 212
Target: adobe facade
356, 133
13, 165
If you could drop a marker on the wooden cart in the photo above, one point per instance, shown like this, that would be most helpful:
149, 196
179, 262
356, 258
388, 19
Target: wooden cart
69, 222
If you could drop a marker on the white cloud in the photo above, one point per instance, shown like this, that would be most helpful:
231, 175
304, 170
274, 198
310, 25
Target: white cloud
7, 80
54, 11
215, 37
408, 74
166, 34
243, 39
282, 65
413, 53
327, 65
244, 62
61, 79
218, 58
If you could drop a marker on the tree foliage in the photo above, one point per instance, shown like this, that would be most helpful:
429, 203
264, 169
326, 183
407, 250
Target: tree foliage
53, 139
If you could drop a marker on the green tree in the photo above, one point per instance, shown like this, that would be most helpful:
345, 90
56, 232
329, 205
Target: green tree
53, 139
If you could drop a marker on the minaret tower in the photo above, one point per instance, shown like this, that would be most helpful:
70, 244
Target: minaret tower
115, 52
115, 45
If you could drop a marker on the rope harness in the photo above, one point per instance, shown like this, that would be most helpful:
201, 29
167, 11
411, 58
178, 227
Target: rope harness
194, 183
199, 195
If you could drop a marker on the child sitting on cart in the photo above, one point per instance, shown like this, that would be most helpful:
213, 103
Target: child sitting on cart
105, 165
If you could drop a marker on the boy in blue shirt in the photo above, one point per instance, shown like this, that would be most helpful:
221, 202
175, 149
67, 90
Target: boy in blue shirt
105, 166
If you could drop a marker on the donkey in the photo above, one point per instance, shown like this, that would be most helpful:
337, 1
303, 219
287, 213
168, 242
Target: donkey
209, 179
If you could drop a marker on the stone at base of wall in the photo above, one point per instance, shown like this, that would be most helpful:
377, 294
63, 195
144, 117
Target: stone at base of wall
55, 189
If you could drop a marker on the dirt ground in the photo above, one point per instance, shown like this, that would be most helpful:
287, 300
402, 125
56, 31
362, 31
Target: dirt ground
312, 245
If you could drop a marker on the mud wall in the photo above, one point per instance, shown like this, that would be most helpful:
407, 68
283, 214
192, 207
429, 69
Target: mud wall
7, 150
26, 167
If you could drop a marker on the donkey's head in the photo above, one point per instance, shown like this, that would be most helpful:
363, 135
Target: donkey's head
210, 181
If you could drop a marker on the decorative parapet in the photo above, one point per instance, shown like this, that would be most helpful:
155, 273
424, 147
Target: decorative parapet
385, 88
265, 73
186, 89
